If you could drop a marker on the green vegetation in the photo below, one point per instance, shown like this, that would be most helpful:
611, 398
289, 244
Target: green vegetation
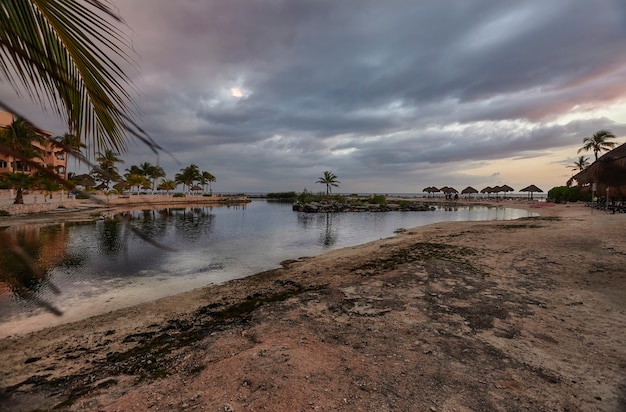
562, 194
286, 196
4, 213
309, 197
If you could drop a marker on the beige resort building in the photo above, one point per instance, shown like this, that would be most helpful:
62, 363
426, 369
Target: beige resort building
55, 156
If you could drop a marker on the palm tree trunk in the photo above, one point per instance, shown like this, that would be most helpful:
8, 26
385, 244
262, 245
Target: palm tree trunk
19, 197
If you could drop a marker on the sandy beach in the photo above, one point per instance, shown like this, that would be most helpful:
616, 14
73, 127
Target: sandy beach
458, 316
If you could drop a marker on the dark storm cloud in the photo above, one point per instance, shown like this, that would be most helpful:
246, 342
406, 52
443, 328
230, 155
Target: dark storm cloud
367, 87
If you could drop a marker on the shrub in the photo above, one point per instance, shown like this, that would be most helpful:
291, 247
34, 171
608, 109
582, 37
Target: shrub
4, 213
178, 195
282, 195
380, 200
562, 194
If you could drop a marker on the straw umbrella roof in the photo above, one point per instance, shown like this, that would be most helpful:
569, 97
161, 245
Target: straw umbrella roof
430, 189
609, 169
487, 189
447, 189
531, 188
468, 190
507, 188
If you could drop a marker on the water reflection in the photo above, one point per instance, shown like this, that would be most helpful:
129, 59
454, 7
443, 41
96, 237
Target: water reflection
329, 235
214, 244
44, 248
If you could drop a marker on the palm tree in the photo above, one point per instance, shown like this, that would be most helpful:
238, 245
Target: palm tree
598, 142
19, 181
134, 179
329, 179
580, 164
63, 54
20, 137
71, 145
167, 185
207, 178
106, 170
154, 173
188, 175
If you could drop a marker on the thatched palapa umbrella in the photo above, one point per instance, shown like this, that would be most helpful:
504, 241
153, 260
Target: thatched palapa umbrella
531, 189
430, 189
469, 190
487, 190
506, 189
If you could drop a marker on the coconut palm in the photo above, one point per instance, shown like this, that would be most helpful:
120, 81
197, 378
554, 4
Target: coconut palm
329, 179
598, 142
20, 138
106, 170
207, 178
153, 173
580, 164
188, 175
167, 185
71, 145
63, 55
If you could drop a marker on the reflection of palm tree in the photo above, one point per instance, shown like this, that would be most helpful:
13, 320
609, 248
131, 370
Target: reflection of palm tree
329, 179
598, 142
329, 237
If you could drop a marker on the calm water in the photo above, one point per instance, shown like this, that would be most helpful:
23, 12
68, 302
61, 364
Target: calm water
102, 266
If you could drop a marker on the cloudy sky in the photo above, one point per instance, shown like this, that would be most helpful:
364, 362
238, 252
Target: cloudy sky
392, 96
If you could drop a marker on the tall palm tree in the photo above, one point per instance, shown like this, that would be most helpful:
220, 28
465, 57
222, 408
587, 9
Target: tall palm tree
329, 179
20, 137
106, 170
580, 164
153, 173
63, 55
207, 178
188, 175
71, 145
598, 142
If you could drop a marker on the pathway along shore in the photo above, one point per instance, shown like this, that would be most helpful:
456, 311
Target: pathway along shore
457, 316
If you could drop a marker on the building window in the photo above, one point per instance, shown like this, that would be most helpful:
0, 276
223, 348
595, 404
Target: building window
3, 164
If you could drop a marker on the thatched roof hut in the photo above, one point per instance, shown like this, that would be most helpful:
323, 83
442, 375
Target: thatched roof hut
531, 189
468, 190
608, 170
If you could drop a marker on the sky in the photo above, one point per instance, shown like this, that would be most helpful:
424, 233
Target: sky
391, 96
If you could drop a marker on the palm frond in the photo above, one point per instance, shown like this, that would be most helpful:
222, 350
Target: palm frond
61, 52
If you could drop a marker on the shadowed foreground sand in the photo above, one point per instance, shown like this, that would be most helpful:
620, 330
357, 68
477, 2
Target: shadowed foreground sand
501, 315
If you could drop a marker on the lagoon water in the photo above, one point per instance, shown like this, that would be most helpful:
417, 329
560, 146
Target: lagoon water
97, 267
